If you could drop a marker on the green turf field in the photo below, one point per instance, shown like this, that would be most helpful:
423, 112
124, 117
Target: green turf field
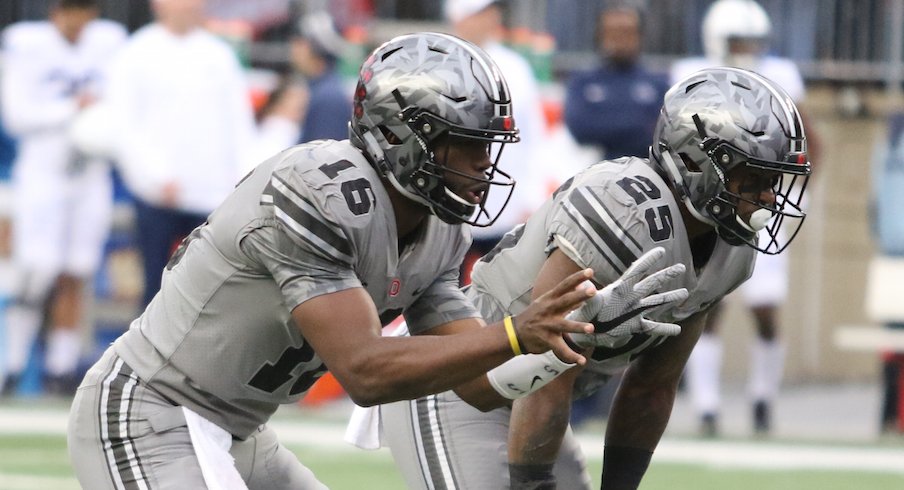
31, 462
33, 456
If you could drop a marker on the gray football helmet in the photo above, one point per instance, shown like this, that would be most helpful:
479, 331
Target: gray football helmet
420, 89
721, 118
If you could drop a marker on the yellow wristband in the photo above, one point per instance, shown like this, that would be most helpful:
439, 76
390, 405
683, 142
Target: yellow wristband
512, 336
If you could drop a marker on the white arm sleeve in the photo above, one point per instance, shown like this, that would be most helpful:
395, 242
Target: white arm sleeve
526, 374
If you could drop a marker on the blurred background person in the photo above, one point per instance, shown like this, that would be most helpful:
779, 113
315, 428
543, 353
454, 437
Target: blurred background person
316, 48
614, 106
481, 22
7, 145
62, 199
185, 128
886, 212
736, 33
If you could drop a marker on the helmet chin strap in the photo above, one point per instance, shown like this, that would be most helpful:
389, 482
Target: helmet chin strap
677, 180
758, 220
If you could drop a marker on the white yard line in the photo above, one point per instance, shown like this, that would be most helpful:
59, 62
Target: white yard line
21, 420
729, 454
29, 482
776, 456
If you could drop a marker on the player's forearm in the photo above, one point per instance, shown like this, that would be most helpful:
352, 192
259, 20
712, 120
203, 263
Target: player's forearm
644, 401
538, 424
480, 394
640, 413
400, 368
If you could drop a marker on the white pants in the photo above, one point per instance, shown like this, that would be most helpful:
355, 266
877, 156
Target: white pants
61, 220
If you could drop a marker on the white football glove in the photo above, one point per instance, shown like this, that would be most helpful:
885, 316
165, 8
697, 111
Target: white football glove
616, 311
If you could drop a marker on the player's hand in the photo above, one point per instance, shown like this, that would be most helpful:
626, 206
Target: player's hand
616, 311
540, 327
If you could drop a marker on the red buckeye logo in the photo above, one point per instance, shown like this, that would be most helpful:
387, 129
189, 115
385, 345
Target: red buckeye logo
394, 287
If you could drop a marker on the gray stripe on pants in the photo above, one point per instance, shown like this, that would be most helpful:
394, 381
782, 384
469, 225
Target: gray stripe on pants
436, 454
116, 399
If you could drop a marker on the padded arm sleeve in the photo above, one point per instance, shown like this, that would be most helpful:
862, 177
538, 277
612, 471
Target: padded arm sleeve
526, 374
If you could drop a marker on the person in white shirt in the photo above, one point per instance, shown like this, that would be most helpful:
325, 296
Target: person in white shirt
185, 130
53, 70
736, 33
480, 22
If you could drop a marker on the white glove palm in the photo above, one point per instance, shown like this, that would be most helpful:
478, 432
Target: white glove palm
616, 311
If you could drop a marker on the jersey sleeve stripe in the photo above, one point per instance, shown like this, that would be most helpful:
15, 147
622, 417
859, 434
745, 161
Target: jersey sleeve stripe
591, 238
638, 248
300, 216
312, 241
596, 221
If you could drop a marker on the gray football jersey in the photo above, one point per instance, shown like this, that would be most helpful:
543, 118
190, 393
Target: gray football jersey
315, 219
605, 217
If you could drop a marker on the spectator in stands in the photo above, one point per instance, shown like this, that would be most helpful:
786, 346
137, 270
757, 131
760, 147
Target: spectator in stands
186, 131
53, 70
316, 48
481, 22
615, 105
736, 33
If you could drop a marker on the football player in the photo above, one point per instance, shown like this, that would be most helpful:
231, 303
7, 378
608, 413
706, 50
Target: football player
298, 269
727, 165
737, 33
53, 72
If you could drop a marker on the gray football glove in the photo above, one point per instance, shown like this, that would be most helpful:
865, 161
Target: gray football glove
616, 311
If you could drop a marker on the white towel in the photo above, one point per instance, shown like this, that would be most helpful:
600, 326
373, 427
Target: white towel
364, 429
212, 445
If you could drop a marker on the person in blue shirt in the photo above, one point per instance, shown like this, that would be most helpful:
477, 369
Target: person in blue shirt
613, 108
615, 105
7, 153
316, 48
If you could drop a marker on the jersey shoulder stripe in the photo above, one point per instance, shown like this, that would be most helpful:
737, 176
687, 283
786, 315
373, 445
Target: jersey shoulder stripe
596, 200
303, 219
597, 222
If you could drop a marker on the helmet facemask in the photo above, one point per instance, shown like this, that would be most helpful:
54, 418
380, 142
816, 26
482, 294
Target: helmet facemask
435, 183
752, 177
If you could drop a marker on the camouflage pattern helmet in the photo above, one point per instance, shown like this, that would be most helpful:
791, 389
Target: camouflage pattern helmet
718, 120
419, 90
